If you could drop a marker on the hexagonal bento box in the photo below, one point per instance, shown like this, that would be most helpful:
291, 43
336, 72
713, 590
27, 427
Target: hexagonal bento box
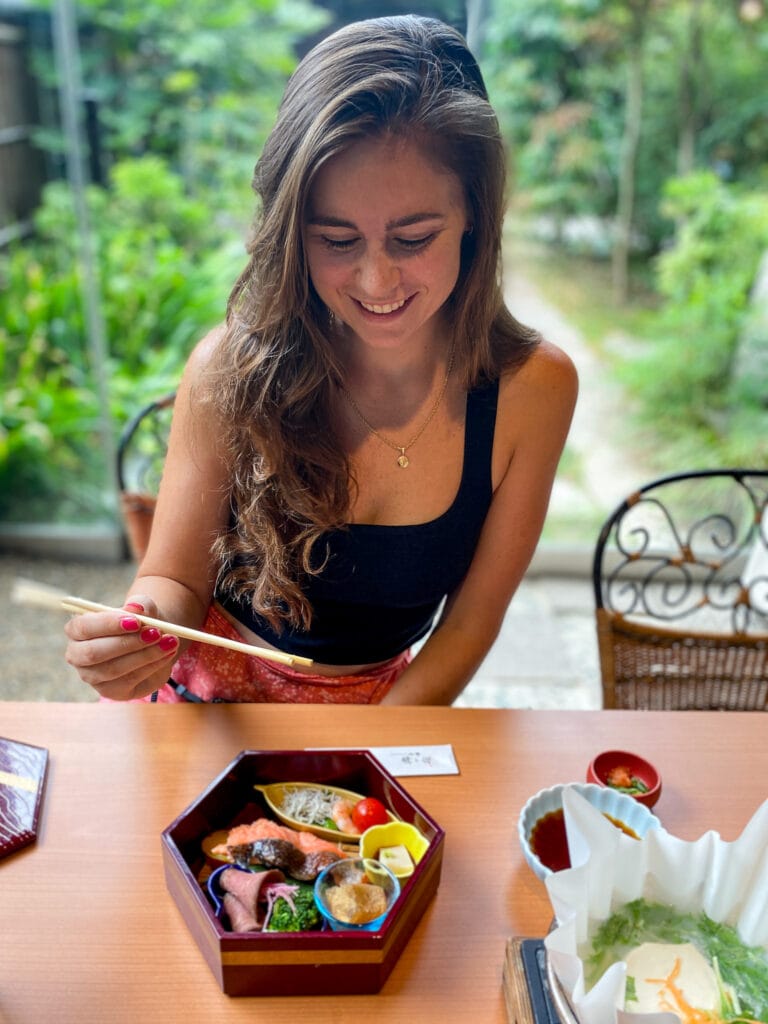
303, 963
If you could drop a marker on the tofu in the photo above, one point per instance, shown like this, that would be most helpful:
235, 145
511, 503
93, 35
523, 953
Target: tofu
653, 962
396, 858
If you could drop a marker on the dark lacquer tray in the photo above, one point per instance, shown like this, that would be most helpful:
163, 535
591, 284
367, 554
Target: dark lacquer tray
306, 963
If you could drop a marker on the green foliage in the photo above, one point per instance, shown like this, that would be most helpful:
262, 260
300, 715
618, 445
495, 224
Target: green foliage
685, 381
536, 65
557, 74
186, 91
192, 81
165, 272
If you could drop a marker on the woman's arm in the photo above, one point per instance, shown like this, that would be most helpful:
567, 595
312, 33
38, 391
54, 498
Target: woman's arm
175, 581
535, 409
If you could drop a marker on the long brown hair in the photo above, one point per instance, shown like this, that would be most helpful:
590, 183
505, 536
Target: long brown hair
276, 370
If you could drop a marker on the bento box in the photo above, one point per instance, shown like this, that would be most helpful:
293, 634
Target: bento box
316, 962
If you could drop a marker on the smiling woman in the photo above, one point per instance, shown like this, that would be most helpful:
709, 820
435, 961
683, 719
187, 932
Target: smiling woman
362, 454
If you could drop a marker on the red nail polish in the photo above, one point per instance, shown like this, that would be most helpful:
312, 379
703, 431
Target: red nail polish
168, 643
149, 635
134, 606
129, 625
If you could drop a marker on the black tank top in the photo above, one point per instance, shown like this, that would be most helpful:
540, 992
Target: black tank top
382, 585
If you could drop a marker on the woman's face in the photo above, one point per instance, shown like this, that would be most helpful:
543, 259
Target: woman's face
383, 239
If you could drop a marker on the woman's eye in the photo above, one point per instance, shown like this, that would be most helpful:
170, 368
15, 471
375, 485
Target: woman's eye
338, 244
414, 244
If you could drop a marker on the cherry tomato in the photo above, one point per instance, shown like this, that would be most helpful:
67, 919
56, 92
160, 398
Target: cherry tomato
369, 811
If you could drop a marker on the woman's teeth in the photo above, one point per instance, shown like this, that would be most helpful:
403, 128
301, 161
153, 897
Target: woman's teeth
389, 307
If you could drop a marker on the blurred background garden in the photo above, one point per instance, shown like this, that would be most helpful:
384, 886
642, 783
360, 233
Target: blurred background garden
638, 213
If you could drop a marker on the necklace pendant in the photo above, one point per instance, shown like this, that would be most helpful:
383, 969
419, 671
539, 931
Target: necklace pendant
403, 461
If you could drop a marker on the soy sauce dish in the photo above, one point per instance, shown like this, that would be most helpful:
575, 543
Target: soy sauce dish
541, 825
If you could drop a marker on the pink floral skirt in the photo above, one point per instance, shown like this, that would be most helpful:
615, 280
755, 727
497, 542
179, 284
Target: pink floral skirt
216, 673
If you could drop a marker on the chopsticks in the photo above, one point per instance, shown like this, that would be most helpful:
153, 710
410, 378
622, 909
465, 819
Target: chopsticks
40, 594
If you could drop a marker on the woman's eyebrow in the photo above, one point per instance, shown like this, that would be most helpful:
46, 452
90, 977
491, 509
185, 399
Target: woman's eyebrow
328, 221
414, 218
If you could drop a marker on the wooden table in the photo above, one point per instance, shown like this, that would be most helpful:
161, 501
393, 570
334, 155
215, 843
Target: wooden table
89, 933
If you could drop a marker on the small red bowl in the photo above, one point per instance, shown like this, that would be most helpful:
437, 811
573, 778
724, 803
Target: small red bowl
635, 767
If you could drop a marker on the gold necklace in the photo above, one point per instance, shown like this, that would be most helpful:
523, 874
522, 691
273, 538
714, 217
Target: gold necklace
402, 460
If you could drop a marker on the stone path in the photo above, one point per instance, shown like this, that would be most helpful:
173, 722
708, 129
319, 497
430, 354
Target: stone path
606, 474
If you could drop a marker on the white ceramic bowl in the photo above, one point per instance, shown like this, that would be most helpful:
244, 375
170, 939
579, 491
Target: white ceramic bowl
617, 805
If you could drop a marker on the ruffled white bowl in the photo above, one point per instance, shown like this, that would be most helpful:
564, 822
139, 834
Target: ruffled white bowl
624, 808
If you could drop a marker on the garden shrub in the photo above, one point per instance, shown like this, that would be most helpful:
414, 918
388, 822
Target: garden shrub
165, 269
685, 379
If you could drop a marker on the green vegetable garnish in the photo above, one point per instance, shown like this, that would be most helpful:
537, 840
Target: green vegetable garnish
307, 916
638, 786
630, 993
743, 967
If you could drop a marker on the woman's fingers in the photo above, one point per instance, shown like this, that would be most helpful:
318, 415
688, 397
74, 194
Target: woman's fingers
110, 657
132, 685
116, 653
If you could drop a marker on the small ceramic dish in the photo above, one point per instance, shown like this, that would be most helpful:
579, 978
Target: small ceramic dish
626, 773
547, 851
344, 894
275, 795
379, 838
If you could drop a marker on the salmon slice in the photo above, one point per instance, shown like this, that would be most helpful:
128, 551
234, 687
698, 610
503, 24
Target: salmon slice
265, 828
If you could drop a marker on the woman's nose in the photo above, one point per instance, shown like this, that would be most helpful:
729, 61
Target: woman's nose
378, 274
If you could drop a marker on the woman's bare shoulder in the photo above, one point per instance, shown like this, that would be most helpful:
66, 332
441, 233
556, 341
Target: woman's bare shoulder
193, 395
536, 405
548, 369
201, 359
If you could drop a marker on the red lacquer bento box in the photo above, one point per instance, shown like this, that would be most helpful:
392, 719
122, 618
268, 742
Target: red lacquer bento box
304, 963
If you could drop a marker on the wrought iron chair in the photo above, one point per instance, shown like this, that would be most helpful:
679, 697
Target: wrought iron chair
680, 577
140, 458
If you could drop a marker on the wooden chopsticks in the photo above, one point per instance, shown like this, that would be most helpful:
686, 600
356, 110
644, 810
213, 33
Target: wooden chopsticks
29, 592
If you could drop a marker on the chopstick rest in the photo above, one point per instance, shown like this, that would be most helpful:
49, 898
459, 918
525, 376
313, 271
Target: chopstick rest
44, 596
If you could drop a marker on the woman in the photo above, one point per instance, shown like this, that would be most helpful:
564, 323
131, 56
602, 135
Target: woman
368, 444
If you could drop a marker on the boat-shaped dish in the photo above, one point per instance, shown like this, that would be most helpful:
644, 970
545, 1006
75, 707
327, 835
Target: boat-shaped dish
295, 963
274, 796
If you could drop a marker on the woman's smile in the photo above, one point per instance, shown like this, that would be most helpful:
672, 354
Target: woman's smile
390, 307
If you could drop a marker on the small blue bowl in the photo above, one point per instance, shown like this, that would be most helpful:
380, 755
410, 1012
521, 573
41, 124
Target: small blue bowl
355, 871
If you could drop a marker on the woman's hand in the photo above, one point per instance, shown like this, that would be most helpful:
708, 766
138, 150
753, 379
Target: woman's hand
112, 651
116, 654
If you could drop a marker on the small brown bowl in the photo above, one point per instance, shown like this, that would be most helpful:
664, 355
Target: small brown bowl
622, 766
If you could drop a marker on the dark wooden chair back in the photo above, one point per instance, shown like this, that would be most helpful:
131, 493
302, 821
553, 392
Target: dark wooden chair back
140, 459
